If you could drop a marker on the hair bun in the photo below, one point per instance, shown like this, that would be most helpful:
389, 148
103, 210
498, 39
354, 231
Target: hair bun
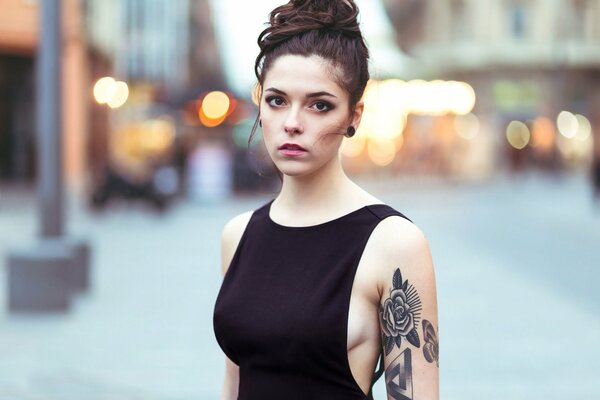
299, 16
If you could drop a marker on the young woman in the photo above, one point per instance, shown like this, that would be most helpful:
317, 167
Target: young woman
325, 280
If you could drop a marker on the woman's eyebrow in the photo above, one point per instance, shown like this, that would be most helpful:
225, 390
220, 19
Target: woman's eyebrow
319, 94
309, 95
275, 91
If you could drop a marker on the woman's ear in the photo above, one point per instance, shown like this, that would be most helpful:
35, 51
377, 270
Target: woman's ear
357, 114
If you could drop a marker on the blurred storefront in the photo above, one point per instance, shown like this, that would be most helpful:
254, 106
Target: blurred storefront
534, 66
163, 59
166, 54
19, 22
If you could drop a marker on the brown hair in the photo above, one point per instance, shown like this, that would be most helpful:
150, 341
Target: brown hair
325, 28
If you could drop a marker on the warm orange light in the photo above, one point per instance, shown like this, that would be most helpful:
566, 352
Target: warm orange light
210, 122
158, 135
399, 143
543, 134
389, 102
214, 108
384, 116
215, 105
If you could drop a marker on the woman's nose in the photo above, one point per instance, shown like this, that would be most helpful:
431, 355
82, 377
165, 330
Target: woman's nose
292, 122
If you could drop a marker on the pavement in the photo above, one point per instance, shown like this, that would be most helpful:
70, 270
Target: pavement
517, 268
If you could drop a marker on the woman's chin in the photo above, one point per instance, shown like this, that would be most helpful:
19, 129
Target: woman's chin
294, 170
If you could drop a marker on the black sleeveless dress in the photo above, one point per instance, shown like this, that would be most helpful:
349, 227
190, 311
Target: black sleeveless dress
282, 311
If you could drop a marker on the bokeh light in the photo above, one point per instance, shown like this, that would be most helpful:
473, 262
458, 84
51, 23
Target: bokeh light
462, 97
214, 108
584, 128
215, 105
158, 134
417, 98
104, 89
120, 95
209, 122
567, 124
517, 134
577, 145
384, 114
389, 102
111, 92
543, 135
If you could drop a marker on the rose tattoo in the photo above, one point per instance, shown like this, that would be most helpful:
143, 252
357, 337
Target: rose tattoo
399, 314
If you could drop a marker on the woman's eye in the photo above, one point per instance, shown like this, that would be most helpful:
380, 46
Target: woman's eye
275, 101
321, 106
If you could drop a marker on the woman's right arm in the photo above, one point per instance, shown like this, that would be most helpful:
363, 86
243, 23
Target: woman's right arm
230, 238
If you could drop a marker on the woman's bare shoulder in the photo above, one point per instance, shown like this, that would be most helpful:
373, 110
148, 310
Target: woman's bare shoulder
231, 235
398, 233
236, 225
401, 242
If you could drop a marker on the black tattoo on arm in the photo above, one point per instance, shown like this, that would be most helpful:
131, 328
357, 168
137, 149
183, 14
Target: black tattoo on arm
399, 314
398, 377
431, 346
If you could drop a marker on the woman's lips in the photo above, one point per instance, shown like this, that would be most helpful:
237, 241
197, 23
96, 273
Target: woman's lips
292, 152
291, 149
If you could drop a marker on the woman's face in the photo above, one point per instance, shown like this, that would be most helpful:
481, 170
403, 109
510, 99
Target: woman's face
302, 105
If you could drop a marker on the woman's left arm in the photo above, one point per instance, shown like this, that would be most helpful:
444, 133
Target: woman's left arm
408, 315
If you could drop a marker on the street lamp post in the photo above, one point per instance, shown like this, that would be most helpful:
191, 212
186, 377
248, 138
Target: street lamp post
48, 114
42, 278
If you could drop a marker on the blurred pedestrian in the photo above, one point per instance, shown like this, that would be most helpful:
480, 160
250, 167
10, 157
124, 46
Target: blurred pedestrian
325, 279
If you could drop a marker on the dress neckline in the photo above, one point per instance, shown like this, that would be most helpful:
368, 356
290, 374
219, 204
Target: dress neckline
319, 225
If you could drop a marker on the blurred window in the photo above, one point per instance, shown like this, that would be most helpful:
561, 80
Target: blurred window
518, 20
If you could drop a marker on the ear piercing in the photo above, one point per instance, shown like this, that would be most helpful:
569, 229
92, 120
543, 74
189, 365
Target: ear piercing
350, 131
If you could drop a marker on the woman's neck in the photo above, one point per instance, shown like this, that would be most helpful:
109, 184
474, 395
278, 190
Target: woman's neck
323, 191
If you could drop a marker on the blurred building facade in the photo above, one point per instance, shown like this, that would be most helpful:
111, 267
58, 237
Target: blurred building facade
165, 51
147, 40
528, 61
19, 30
167, 54
156, 41
18, 38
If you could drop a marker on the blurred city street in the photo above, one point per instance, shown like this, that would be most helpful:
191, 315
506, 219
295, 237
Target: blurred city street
517, 274
143, 119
